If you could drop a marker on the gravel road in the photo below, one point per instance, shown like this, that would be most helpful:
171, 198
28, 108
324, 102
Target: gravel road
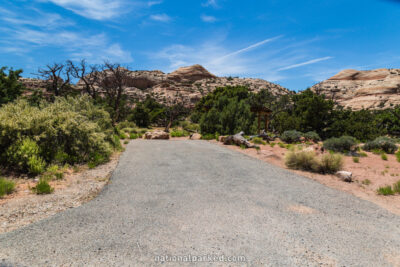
192, 200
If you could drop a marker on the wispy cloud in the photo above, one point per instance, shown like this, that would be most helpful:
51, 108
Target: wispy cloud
209, 19
161, 17
250, 47
42, 30
265, 59
212, 3
93, 9
153, 3
313, 61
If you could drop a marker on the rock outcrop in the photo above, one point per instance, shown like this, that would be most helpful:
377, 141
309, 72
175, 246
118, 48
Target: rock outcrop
187, 85
373, 89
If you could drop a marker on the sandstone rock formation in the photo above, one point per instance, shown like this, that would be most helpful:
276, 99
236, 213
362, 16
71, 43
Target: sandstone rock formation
373, 89
186, 85
156, 135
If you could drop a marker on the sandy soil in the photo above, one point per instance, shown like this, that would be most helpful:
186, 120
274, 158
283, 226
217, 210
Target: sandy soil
379, 172
24, 207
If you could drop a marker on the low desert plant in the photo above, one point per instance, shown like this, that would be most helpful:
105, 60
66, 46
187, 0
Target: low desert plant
258, 141
356, 159
385, 191
43, 187
312, 136
398, 156
281, 145
272, 144
96, 159
178, 133
330, 163
363, 154
384, 156
133, 136
366, 182
291, 136
208, 136
382, 143
342, 144
6, 187
301, 160
54, 172
396, 187
122, 136
126, 142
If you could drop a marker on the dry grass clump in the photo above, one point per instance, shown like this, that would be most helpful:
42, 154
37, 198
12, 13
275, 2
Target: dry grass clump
308, 161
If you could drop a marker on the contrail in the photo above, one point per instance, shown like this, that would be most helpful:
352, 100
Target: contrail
304, 63
249, 47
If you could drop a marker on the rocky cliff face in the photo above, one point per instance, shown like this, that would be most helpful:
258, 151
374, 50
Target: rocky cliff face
187, 85
374, 89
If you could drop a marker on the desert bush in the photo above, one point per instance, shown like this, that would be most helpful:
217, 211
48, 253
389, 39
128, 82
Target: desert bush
312, 136
330, 163
342, 144
178, 133
6, 187
24, 156
356, 159
396, 187
258, 140
382, 143
69, 130
384, 156
208, 136
291, 136
385, 191
301, 160
54, 172
308, 161
133, 136
43, 187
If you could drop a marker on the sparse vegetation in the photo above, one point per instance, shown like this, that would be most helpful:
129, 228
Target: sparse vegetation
308, 161
291, 136
366, 182
383, 144
312, 136
342, 144
258, 141
6, 187
43, 188
385, 191
384, 156
356, 159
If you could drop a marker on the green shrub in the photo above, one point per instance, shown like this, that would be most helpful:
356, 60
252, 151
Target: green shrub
291, 136
398, 156
126, 142
384, 156
6, 187
133, 136
330, 163
96, 159
207, 136
258, 140
43, 188
363, 154
301, 160
312, 136
342, 144
382, 143
24, 156
54, 172
396, 187
178, 133
122, 136
272, 144
281, 145
67, 130
385, 191
356, 159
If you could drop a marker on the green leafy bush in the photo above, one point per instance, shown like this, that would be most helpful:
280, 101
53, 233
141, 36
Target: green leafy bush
208, 136
69, 130
312, 136
24, 156
6, 187
178, 133
133, 136
396, 187
384, 156
43, 188
291, 136
382, 143
342, 144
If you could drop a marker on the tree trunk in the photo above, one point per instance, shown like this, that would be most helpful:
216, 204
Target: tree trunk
238, 139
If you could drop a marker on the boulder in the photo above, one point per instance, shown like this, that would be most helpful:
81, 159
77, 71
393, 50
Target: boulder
195, 136
222, 138
156, 135
345, 176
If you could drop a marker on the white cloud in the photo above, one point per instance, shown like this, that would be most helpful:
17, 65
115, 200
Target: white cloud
40, 30
93, 9
153, 3
212, 3
304, 63
265, 59
160, 17
210, 19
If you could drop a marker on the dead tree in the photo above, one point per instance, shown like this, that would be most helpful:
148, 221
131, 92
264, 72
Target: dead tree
58, 77
239, 140
113, 79
87, 74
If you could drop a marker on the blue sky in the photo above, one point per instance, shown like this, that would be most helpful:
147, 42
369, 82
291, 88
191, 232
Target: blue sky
292, 43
